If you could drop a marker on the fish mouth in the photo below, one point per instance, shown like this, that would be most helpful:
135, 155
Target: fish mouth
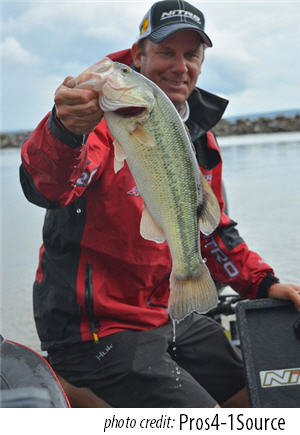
131, 111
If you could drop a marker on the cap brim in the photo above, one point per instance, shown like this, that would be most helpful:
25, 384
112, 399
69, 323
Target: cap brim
163, 32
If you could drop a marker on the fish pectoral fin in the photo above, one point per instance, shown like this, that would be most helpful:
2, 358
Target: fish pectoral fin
191, 295
120, 156
149, 229
209, 211
140, 134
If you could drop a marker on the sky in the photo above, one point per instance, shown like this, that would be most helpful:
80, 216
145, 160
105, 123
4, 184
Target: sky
254, 61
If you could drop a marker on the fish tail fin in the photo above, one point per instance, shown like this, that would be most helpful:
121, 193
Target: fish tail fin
187, 295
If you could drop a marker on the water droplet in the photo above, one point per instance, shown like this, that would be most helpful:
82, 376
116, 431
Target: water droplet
174, 330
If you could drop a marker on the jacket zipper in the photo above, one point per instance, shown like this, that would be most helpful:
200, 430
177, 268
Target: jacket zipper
89, 302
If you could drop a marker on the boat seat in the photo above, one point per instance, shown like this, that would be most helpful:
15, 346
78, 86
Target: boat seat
81, 397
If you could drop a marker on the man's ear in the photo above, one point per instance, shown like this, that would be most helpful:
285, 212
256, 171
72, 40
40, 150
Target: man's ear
136, 54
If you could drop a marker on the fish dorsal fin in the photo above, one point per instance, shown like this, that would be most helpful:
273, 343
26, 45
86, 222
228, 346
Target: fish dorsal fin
120, 156
190, 138
142, 136
209, 212
149, 229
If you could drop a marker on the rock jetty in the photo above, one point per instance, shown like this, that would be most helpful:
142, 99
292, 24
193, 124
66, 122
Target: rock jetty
260, 125
13, 140
224, 128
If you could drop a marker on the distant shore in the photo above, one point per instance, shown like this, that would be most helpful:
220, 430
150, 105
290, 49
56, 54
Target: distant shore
260, 125
224, 127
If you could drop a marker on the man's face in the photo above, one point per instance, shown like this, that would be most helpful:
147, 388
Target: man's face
174, 64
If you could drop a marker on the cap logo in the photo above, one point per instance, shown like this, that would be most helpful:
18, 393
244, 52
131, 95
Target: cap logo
180, 12
145, 25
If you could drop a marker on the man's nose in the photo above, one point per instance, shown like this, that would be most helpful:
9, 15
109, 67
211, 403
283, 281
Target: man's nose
180, 64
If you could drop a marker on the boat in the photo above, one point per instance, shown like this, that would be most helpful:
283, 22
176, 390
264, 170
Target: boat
27, 379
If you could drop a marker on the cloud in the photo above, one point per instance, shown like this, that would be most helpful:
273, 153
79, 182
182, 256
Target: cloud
68, 31
108, 19
252, 100
253, 62
228, 65
27, 98
11, 51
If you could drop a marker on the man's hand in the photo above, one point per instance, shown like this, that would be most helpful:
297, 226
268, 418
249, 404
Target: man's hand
77, 109
286, 291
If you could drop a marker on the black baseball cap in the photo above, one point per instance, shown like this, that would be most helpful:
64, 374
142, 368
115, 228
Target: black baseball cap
169, 16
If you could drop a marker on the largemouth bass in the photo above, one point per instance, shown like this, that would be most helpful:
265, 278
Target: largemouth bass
178, 202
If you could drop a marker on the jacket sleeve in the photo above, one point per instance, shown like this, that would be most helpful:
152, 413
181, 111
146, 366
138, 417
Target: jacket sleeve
57, 166
228, 257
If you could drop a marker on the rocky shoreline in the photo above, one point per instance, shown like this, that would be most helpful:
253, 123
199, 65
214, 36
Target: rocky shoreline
260, 125
223, 128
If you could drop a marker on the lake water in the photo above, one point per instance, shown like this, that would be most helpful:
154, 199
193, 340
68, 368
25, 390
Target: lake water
262, 178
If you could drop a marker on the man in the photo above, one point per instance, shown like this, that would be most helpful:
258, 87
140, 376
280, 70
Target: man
101, 291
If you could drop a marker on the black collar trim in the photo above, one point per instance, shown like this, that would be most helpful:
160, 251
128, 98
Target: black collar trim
206, 109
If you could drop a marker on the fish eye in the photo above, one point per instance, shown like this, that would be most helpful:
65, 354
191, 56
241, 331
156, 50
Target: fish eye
125, 70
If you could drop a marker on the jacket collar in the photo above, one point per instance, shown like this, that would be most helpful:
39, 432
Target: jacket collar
206, 109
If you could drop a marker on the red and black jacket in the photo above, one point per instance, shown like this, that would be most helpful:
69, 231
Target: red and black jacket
96, 274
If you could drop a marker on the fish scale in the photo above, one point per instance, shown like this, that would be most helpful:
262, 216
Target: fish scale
176, 211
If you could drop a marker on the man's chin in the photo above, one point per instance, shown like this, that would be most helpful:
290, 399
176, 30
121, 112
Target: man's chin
178, 101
